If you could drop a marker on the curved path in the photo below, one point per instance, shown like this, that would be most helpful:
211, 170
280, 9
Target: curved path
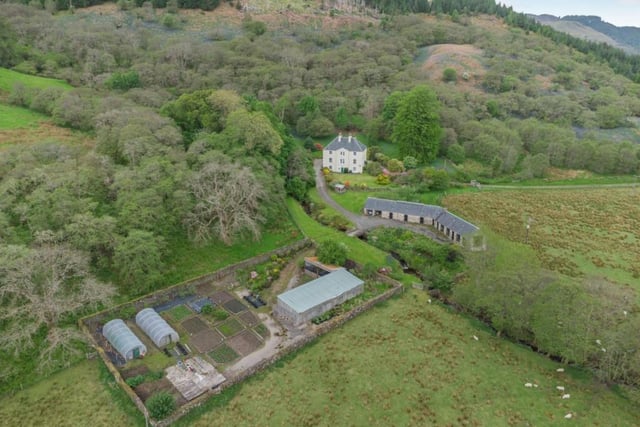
364, 222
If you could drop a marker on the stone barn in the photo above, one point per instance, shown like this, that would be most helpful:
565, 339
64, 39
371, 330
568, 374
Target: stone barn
455, 228
315, 298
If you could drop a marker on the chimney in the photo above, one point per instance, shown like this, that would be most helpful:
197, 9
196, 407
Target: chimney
340, 137
349, 137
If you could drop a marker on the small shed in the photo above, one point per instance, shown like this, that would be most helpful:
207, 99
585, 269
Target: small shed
156, 328
123, 339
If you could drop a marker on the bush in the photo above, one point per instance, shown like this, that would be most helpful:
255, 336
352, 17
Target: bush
161, 405
331, 252
135, 381
449, 75
383, 179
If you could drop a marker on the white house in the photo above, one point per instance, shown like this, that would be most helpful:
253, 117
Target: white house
345, 154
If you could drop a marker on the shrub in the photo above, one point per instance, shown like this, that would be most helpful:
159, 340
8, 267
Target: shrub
135, 381
449, 75
383, 179
331, 252
161, 405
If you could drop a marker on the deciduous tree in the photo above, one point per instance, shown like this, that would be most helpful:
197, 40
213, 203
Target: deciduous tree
40, 288
227, 200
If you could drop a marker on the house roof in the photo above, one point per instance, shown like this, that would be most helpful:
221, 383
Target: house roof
350, 143
320, 290
440, 214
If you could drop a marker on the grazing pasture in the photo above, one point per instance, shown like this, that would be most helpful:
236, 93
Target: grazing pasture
576, 232
422, 366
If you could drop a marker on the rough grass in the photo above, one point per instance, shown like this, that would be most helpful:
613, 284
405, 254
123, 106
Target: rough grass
421, 367
12, 117
73, 397
189, 260
576, 232
9, 77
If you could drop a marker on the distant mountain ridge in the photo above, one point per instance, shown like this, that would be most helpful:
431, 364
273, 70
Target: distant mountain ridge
595, 29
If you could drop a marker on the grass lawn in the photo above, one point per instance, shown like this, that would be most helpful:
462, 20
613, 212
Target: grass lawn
12, 117
9, 77
73, 397
230, 327
180, 312
223, 354
421, 366
189, 260
358, 250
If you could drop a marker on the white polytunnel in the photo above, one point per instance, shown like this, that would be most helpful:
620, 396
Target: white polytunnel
123, 339
160, 332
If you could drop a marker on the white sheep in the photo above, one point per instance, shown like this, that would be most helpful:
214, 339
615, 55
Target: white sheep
604, 350
475, 338
560, 388
429, 300
569, 416
566, 396
598, 342
528, 385
560, 370
625, 312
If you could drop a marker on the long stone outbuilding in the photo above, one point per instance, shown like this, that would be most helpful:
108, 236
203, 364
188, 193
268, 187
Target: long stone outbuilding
455, 228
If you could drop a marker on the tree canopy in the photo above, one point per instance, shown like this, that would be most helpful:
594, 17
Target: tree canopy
416, 125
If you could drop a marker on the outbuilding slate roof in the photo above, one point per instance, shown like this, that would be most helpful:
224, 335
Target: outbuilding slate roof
320, 290
350, 143
399, 206
440, 214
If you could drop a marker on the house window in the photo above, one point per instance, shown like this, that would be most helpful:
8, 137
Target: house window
330, 160
354, 153
342, 161
354, 161
342, 153
330, 152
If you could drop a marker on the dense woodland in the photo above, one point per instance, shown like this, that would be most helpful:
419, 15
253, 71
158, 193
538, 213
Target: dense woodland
198, 137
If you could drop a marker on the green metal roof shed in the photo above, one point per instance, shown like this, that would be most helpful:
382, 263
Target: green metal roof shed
318, 296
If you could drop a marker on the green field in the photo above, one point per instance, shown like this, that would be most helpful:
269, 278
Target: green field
12, 117
9, 77
421, 366
73, 397
591, 232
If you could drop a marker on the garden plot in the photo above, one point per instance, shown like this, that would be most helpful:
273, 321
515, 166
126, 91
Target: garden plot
205, 340
194, 325
223, 354
221, 297
249, 319
234, 306
246, 342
